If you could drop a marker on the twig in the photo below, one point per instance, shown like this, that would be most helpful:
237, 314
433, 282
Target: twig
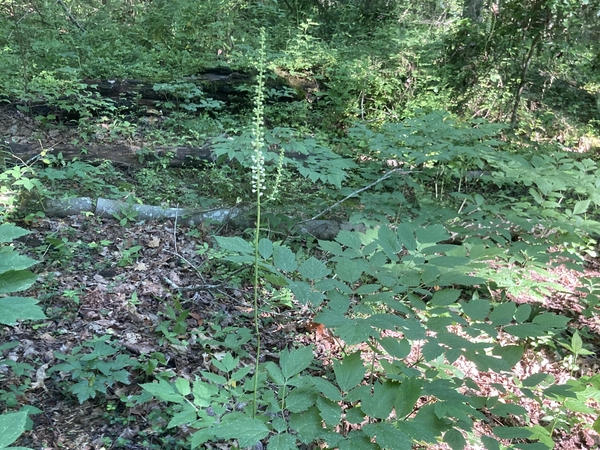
69, 15
385, 176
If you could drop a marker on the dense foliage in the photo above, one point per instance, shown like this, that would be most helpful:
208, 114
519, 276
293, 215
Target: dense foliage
458, 139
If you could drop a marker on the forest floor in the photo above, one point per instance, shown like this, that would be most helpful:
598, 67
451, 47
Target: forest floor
98, 278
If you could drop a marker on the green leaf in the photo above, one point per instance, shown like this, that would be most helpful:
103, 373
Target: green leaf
183, 386
307, 425
503, 314
295, 361
581, 207
576, 342
445, 297
164, 391
381, 403
526, 330
283, 441
535, 379
349, 372
284, 259
10, 232
11, 427
551, 320
186, 416
350, 239
596, 425
19, 308
512, 432
477, 309
275, 373
409, 392
523, 312
83, 391
348, 270
432, 349
504, 409
490, 443
15, 281
388, 436
331, 412
405, 232
11, 260
397, 348
235, 244
327, 388
245, 429
432, 234
455, 439
299, 400
313, 269
265, 248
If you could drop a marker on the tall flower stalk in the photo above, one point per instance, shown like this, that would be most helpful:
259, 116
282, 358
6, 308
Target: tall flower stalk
258, 187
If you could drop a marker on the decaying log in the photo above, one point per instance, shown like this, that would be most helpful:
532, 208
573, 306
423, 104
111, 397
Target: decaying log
119, 154
102, 207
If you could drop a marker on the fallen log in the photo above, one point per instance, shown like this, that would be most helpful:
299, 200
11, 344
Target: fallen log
102, 207
120, 154
123, 155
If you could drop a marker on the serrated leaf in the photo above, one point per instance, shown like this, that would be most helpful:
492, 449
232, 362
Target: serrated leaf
183, 386
431, 349
10, 232
327, 388
245, 429
83, 391
284, 259
313, 269
275, 373
350, 239
299, 400
163, 391
265, 248
349, 372
235, 244
283, 441
388, 436
348, 270
16, 281
308, 425
397, 348
409, 392
13, 309
295, 361
10, 260
331, 412
11, 427
381, 403
186, 416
